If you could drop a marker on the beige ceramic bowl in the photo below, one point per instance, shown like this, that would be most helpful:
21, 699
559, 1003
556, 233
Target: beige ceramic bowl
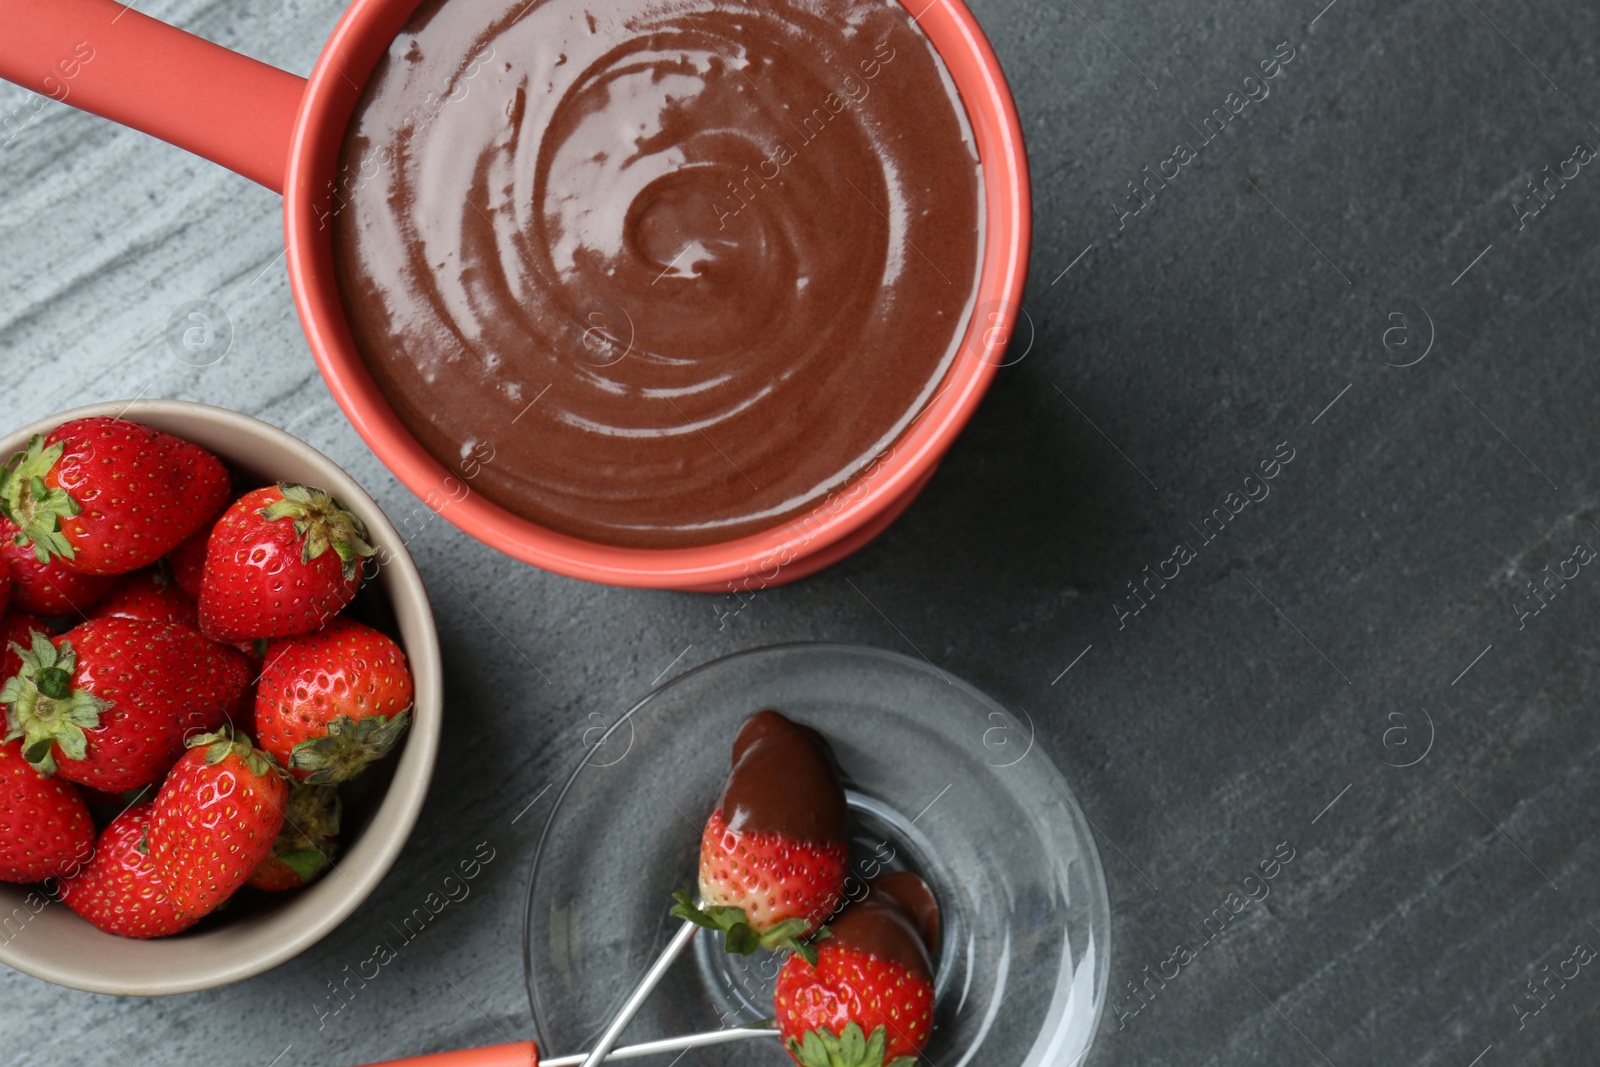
381, 806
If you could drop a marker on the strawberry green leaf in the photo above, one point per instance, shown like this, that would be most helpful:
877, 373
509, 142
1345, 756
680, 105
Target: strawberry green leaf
306, 863
322, 522
853, 1043
685, 908
851, 1048
791, 936
42, 707
231, 741
348, 746
38, 754
36, 509
812, 1051
740, 939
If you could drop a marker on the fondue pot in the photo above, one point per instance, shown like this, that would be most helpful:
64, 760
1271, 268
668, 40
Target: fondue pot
285, 132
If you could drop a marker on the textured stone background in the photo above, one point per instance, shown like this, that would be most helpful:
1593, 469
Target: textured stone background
1368, 606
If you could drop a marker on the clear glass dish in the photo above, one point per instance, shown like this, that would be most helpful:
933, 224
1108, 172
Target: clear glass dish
941, 780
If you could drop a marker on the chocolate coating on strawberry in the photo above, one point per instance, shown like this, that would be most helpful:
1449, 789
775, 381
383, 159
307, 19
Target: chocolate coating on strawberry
912, 895
880, 925
785, 780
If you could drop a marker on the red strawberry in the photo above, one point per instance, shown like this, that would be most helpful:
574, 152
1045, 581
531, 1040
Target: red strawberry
305, 847
103, 806
282, 560
773, 854
188, 559
109, 496
215, 819
152, 596
16, 628
45, 829
119, 891
331, 702
48, 588
5, 584
108, 703
868, 999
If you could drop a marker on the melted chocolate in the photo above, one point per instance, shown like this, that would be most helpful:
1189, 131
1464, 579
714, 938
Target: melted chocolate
883, 925
916, 899
784, 780
658, 273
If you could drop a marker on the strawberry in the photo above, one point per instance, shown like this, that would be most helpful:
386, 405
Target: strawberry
108, 703
152, 596
773, 853
103, 806
109, 496
331, 702
45, 829
5, 584
867, 1001
16, 628
188, 560
49, 588
282, 560
305, 847
215, 819
119, 890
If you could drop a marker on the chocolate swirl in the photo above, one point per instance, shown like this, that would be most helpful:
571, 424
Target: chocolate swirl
685, 267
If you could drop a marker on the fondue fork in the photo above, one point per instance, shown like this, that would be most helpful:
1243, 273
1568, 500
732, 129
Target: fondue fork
640, 994
526, 1053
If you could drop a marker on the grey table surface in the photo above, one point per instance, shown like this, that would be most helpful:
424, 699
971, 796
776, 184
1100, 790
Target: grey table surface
1352, 271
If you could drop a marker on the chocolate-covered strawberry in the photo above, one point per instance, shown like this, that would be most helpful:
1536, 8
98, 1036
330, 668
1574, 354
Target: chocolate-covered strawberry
108, 703
215, 819
107, 496
119, 890
773, 854
282, 560
867, 1000
45, 829
305, 846
331, 702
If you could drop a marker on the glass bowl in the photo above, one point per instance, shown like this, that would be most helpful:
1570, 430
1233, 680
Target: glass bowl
941, 780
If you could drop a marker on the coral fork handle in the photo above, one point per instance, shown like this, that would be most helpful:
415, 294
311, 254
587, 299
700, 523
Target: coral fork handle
516, 1054
106, 58
525, 1054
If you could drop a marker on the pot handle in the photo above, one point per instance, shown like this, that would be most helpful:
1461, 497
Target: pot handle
107, 59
